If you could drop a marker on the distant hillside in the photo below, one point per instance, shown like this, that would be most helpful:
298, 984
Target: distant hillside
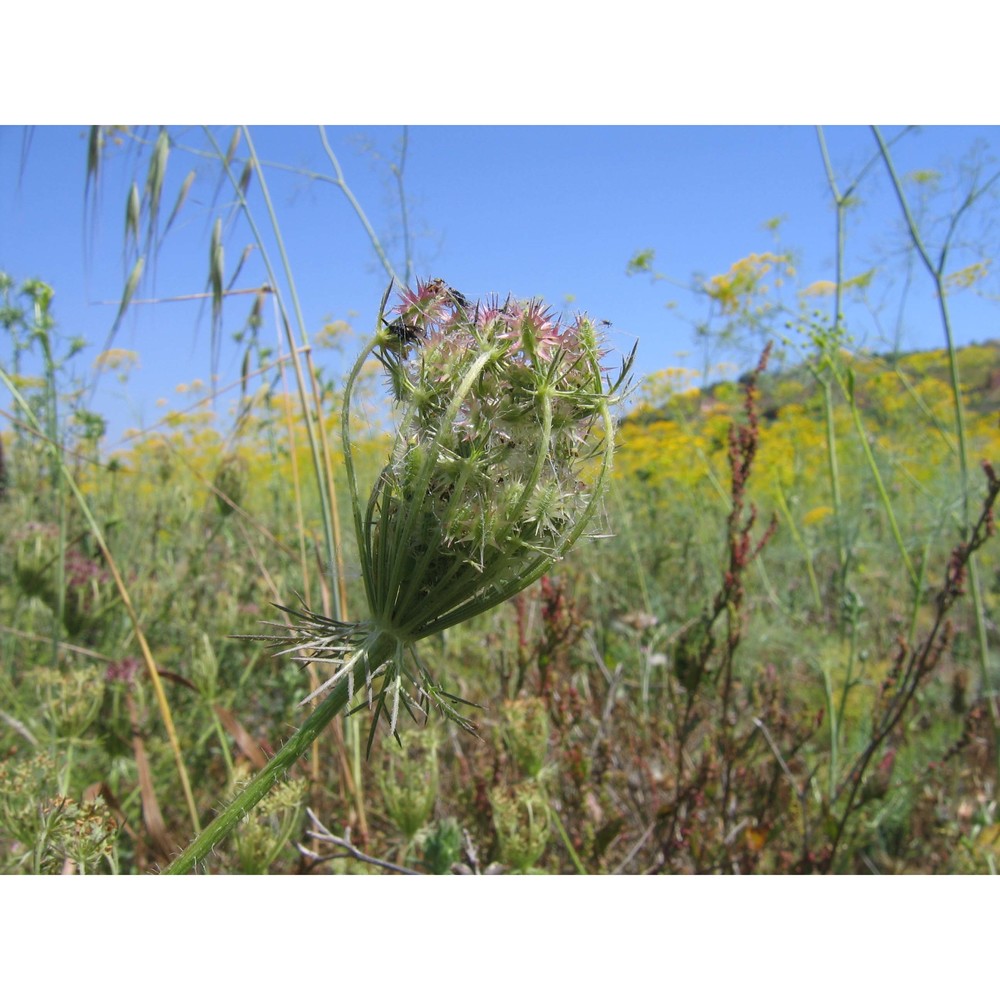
979, 368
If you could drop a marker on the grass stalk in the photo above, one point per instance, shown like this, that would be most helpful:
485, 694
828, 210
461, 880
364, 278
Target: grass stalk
312, 417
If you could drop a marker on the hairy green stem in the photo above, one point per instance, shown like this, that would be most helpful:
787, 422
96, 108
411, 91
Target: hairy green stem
265, 780
334, 703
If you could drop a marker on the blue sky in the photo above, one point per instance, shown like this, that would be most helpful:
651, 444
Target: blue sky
542, 211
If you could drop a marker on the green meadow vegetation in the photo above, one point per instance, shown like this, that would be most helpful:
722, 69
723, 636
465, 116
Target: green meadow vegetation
773, 649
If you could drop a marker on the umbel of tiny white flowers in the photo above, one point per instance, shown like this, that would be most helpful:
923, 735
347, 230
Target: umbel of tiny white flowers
503, 447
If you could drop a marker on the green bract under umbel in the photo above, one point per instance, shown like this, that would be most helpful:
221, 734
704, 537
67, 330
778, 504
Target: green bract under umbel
503, 447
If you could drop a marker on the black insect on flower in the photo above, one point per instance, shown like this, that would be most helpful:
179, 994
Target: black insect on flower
440, 289
458, 298
405, 333
433, 303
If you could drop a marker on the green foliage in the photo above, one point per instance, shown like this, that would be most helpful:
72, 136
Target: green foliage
525, 733
441, 846
522, 820
409, 783
48, 832
692, 693
587, 676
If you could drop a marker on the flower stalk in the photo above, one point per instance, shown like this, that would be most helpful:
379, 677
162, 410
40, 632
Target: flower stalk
503, 449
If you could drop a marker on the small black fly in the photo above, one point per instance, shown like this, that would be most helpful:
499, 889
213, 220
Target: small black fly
458, 298
405, 333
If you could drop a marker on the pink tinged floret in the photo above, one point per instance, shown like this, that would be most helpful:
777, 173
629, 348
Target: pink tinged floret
537, 317
494, 313
431, 303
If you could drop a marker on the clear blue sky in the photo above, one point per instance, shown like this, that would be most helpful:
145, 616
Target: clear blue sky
537, 211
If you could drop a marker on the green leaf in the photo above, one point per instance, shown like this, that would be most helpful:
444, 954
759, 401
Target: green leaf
862, 280
640, 262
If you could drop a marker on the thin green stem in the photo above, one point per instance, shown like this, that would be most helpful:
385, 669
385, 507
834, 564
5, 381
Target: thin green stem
348, 449
834, 762
800, 542
848, 389
404, 214
833, 471
840, 203
937, 274
359, 211
567, 843
220, 735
